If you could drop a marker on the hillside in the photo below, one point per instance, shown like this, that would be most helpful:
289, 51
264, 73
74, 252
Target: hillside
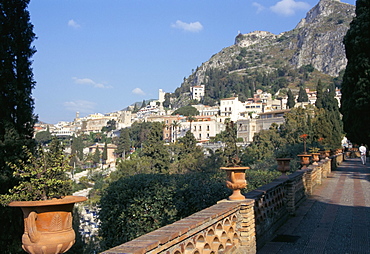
313, 50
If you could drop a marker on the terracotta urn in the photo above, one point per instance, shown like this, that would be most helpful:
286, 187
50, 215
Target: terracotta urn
236, 181
315, 158
283, 166
48, 224
305, 160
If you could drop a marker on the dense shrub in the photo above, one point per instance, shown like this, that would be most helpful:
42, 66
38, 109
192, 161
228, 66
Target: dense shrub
135, 205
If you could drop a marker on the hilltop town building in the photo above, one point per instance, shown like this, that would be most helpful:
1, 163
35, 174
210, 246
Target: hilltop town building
197, 92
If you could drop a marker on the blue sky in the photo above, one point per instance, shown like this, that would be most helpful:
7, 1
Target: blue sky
101, 56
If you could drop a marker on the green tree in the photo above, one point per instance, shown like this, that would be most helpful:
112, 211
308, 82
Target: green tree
135, 165
291, 100
139, 133
190, 119
231, 150
16, 116
186, 156
264, 148
43, 137
330, 104
143, 105
135, 109
43, 175
96, 156
104, 155
186, 111
175, 125
355, 104
322, 130
155, 151
110, 126
319, 95
189, 142
302, 95
124, 143
296, 124
135, 205
77, 147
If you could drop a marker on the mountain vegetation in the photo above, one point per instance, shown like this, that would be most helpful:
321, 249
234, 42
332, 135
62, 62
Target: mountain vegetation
312, 51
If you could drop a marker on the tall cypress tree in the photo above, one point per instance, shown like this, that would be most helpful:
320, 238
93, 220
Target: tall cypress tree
124, 143
319, 94
302, 95
329, 120
291, 101
355, 104
16, 114
104, 155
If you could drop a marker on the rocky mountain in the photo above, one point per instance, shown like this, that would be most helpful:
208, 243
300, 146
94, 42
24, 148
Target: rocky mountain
320, 36
263, 59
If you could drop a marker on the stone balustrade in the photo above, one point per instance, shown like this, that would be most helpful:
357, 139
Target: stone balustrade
225, 227
235, 226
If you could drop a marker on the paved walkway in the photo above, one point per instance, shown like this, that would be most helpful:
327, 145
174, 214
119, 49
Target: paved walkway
335, 219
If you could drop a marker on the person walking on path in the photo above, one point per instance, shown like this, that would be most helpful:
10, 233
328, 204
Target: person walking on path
362, 150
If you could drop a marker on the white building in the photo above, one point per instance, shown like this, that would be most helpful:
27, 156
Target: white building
246, 128
231, 108
197, 92
203, 127
205, 110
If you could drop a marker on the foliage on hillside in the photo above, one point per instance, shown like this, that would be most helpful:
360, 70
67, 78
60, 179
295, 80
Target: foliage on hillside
186, 111
138, 200
293, 59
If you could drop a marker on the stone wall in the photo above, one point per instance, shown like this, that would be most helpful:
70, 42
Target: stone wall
235, 227
226, 227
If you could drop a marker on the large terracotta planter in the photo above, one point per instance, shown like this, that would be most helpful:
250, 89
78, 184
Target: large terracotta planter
236, 181
48, 224
315, 158
305, 160
283, 166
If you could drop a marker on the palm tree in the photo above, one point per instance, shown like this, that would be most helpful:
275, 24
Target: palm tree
190, 119
175, 125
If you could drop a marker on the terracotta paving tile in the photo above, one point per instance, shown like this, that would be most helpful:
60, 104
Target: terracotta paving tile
335, 218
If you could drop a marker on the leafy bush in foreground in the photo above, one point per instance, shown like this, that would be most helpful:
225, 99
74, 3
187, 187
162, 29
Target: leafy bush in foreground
135, 205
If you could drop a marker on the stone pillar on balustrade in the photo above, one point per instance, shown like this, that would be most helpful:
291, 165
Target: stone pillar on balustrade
247, 229
308, 180
290, 196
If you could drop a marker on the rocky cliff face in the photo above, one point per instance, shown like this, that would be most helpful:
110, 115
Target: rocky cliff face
316, 40
320, 37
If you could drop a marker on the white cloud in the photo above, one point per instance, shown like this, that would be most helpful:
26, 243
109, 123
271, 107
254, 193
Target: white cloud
81, 106
138, 91
289, 7
90, 82
190, 27
73, 24
259, 6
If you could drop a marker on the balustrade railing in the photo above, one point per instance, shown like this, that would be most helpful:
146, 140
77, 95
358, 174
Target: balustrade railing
235, 226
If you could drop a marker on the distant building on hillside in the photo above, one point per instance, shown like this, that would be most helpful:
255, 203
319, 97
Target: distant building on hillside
246, 128
231, 108
111, 156
205, 110
197, 92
